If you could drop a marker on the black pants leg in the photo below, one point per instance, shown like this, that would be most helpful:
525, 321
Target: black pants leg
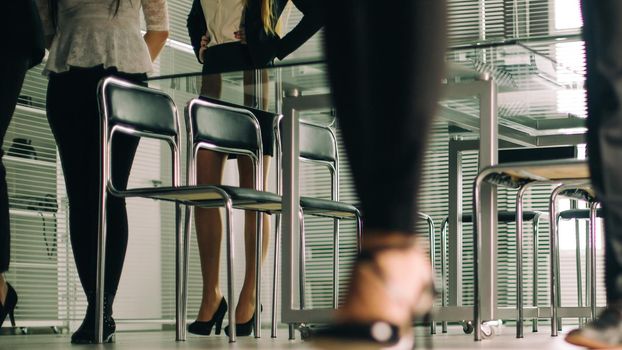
603, 37
74, 118
12, 71
386, 63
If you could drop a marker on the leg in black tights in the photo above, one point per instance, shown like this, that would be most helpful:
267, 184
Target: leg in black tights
386, 63
12, 71
603, 39
74, 119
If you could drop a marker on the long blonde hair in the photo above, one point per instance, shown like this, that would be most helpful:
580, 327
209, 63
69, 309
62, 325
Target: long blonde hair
267, 15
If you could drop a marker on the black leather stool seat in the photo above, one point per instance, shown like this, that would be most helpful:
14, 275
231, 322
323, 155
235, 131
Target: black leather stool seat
506, 216
328, 208
579, 214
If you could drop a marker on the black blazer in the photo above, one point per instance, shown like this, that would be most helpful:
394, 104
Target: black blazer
19, 20
263, 47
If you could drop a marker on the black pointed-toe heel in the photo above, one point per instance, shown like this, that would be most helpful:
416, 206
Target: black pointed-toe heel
205, 327
8, 308
85, 334
244, 329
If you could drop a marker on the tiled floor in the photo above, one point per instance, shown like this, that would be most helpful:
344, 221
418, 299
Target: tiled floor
164, 340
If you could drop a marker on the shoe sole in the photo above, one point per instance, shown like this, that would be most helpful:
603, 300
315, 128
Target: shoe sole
576, 339
347, 344
110, 339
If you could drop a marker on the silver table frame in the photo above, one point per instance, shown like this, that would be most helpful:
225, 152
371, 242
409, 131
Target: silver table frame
485, 90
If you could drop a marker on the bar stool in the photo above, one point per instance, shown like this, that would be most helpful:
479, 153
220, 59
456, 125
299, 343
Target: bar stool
581, 215
522, 176
318, 146
578, 191
503, 216
126, 108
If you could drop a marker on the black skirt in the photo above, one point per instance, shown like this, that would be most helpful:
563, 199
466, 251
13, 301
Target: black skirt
227, 57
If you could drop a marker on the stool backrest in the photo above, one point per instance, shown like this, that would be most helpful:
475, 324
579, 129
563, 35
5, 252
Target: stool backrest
223, 129
318, 145
139, 111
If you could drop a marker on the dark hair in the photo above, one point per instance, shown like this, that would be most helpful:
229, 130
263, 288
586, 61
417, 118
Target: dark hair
54, 9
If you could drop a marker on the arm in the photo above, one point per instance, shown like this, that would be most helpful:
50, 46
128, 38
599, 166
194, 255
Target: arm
155, 42
156, 18
310, 23
196, 26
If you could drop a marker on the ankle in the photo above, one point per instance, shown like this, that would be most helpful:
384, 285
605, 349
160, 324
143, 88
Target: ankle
375, 240
4, 288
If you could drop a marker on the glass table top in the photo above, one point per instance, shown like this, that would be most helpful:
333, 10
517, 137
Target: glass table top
541, 97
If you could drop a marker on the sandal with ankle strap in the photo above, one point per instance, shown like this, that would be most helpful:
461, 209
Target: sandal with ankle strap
376, 334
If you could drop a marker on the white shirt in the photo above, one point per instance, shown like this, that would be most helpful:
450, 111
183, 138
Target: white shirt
223, 18
89, 34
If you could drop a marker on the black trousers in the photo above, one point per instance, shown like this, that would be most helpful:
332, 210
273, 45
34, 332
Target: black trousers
74, 118
386, 63
603, 39
12, 72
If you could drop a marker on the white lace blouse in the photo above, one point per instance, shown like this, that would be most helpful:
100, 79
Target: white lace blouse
89, 33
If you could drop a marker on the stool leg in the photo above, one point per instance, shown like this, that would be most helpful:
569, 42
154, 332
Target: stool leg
275, 283
302, 262
519, 261
180, 271
258, 263
593, 207
477, 253
558, 285
432, 244
534, 299
101, 247
230, 266
579, 274
336, 263
292, 331
443, 269
553, 257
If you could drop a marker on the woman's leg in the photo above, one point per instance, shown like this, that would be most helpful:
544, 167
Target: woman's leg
210, 167
211, 85
74, 119
386, 67
12, 71
246, 303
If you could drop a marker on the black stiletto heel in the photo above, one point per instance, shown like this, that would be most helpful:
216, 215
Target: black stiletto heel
244, 329
8, 308
85, 333
205, 327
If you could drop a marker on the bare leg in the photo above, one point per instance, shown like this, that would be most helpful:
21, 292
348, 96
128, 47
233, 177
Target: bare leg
246, 303
249, 88
210, 167
211, 85
3, 289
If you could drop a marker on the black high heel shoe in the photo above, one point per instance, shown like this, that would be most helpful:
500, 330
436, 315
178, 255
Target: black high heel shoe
205, 327
8, 308
244, 329
86, 332
379, 334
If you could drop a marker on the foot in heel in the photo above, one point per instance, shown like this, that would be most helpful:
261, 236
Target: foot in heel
8, 308
85, 334
205, 327
384, 297
244, 329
